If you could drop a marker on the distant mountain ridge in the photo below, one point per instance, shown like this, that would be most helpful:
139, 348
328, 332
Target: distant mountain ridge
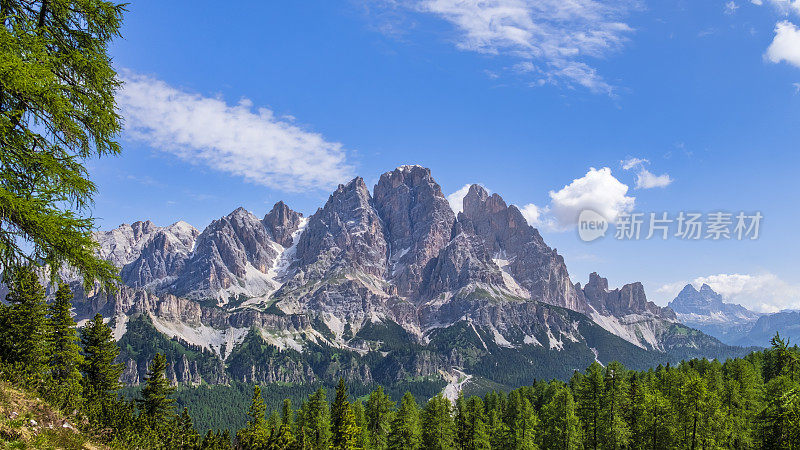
385, 286
734, 324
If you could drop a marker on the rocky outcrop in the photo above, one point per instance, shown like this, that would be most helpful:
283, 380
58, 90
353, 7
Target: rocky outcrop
706, 303
162, 256
232, 256
630, 299
418, 223
282, 222
505, 234
346, 235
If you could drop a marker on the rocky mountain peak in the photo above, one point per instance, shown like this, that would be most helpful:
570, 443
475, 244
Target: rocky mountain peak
596, 282
478, 202
630, 299
418, 222
346, 233
281, 222
228, 253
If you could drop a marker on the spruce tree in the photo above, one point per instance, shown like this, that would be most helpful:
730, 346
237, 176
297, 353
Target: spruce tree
521, 420
615, 431
438, 429
405, 433
65, 353
378, 418
477, 436
101, 374
24, 333
156, 406
561, 424
188, 438
589, 397
255, 434
316, 421
344, 431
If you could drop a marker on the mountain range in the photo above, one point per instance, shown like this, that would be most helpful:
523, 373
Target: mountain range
733, 324
386, 286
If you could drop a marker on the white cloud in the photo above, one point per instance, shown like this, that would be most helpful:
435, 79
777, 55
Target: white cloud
629, 164
784, 6
598, 190
235, 139
757, 2
456, 199
647, 180
558, 35
786, 44
532, 214
644, 178
763, 292
731, 7
796, 88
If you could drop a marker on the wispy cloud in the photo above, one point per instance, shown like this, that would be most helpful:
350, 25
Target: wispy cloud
237, 139
556, 38
731, 7
644, 178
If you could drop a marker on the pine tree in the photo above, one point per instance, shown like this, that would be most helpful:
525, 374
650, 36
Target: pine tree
316, 421
256, 434
378, 417
344, 431
521, 421
588, 395
362, 441
24, 333
477, 437
188, 439
157, 408
561, 424
101, 374
438, 429
65, 353
405, 433
615, 432
56, 110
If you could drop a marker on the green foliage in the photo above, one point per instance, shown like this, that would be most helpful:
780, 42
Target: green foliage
65, 352
405, 431
57, 109
24, 326
156, 406
378, 418
438, 430
344, 429
101, 373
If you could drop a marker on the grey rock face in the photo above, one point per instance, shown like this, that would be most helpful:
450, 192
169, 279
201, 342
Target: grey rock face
462, 262
418, 223
162, 256
630, 299
346, 234
123, 244
536, 267
281, 222
228, 252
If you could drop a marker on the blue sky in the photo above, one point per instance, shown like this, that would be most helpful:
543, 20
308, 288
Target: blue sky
255, 102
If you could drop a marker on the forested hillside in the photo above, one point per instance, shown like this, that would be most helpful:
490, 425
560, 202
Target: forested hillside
750, 402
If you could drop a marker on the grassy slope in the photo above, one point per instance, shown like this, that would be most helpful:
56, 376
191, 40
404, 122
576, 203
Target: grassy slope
28, 422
